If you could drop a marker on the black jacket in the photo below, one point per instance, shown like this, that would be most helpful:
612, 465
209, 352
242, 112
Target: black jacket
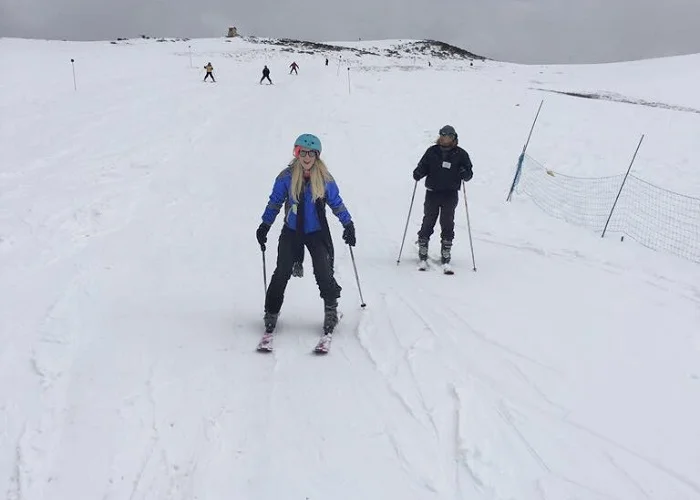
445, 168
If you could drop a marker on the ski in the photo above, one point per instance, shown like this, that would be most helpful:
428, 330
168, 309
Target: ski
324, 344
446, 268
265, 344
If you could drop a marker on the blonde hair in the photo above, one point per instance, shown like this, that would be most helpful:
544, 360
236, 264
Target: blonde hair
319, 177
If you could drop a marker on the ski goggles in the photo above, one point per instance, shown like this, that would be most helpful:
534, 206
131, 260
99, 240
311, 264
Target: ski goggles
305, 152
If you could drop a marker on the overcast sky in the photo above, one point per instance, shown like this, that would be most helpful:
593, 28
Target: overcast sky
529, 31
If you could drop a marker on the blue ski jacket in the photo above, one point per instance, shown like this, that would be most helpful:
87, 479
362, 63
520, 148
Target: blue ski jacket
281, 196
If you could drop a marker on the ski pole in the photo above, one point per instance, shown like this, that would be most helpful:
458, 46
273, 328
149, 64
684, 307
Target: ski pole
262, 249
75, 84
357, 278
403, 240
469, 227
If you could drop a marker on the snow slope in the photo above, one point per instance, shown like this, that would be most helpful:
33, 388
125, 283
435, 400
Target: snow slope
566, 367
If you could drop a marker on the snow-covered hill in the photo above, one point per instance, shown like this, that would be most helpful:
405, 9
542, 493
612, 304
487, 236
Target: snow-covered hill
131, 284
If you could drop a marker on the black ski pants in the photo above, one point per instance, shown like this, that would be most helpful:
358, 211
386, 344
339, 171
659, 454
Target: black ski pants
440, 204
266, 77
209, 73
288, 249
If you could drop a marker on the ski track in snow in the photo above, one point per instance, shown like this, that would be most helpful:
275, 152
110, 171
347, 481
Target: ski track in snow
566, 367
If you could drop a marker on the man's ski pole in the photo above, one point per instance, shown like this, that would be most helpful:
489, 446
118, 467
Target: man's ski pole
398, 260
469, 227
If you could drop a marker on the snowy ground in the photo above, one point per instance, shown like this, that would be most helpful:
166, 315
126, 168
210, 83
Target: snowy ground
566, 367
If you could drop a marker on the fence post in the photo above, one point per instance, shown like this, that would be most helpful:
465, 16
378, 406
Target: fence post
519, 168
621, 186
75, 84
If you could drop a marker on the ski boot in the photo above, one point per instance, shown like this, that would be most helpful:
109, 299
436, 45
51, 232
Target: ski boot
446, 251
422, 254
330, 320
446, 257
270, 320
330, 316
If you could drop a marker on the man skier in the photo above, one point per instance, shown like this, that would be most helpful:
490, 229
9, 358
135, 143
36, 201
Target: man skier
266, 74
444, 165
294, 67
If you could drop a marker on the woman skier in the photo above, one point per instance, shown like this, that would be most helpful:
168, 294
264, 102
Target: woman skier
304, 188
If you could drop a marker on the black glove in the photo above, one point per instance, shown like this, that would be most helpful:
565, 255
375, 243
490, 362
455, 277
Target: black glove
416, 176
349, 234
261, 235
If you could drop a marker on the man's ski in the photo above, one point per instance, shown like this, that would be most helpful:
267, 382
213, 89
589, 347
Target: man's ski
265, 344
446, 268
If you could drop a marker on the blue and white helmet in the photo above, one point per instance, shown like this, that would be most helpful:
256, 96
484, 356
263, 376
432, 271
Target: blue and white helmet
308, 141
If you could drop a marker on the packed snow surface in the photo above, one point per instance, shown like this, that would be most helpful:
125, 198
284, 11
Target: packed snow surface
131, 285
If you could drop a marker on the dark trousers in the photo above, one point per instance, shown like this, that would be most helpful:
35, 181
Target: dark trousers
440, 204
266, 77
288, 250
209, 73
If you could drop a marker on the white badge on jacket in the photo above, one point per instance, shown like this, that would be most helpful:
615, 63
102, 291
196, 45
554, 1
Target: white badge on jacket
446, 164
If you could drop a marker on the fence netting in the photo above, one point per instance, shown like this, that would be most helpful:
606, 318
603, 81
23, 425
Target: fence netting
651, 215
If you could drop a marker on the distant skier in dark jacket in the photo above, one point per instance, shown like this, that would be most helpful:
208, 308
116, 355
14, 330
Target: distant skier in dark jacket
266, 74
294, 67
444, 165
304, 188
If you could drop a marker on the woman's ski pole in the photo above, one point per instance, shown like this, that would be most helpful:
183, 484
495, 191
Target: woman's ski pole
357, 278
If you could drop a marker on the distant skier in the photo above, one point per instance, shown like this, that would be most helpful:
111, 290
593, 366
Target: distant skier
210, 72
266, 74
326, 61
445, 165
294, 67
304, 188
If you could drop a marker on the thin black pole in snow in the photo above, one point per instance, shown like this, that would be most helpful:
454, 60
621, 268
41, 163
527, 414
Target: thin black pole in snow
75, 85
533, 126
522, 155
622, 186
349, 81
190, 51
340, 58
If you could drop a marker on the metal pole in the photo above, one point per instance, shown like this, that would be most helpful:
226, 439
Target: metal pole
533, 126
357, 278
469, 226
349, 81
75, 85
522, 155
398, 260
622, 186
